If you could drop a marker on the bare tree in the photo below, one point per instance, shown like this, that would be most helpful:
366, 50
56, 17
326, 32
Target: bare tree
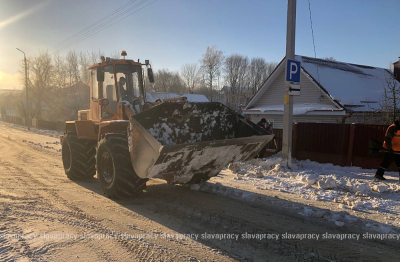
271, 67
115, 54
40, 81
94, 57
60, 72
169, 82
211, 64
73, 67
236, 76
257, 73
84, 63
191, 76
391, 99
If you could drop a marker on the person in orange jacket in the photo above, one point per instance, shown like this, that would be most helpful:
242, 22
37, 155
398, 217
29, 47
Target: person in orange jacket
392, 144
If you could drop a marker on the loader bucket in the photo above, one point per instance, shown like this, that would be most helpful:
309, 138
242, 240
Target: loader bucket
189, 142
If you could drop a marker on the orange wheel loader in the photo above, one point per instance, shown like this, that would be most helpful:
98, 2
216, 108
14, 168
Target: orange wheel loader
127, 140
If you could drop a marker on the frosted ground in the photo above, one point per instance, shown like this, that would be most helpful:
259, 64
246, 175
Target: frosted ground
346, 196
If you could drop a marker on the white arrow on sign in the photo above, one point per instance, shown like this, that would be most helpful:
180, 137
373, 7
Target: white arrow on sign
294, 90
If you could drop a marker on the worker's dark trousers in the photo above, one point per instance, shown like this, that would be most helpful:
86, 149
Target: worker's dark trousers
387, 160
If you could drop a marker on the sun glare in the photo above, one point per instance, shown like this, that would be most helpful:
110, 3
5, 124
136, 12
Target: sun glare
21, 15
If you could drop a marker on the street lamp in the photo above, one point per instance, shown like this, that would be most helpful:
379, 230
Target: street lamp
27, 94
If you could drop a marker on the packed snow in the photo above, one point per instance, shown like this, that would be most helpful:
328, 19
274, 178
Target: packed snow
183, 127
343, 190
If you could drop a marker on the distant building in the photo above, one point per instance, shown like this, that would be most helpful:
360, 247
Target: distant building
331, 92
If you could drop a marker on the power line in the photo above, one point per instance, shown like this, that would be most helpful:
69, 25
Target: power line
312, 34
93, 31
95, 23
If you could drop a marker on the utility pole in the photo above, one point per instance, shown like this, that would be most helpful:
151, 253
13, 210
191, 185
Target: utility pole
27, 119
288, 104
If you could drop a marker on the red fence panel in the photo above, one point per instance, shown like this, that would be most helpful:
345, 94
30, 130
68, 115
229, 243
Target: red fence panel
332, 143
278, 139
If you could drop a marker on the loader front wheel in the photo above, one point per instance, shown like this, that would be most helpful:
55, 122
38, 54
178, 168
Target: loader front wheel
114, 168
78, 156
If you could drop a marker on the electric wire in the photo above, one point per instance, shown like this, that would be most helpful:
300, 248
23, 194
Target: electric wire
101, 27
315, 52
95, 23
312, 34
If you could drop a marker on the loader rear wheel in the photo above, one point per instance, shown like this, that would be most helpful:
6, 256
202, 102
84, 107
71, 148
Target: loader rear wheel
78, 157
114, 168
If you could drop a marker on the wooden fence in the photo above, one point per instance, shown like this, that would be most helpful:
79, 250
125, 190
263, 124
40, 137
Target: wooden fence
38, 123
339, 144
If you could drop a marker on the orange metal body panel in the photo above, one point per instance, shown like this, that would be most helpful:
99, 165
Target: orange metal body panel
86, 130
70, 126
116, 62
115, 126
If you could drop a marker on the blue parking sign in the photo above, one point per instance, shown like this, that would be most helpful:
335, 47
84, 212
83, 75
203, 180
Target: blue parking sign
293, 71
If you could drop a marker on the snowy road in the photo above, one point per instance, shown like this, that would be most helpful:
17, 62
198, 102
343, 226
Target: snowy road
46, 217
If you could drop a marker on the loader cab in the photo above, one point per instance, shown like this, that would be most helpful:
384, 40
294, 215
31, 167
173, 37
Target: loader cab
115, 83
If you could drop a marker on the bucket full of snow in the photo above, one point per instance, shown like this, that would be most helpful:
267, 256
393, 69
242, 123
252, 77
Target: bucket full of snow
189, 142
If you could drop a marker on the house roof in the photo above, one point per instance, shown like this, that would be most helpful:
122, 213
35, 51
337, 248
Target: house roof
354, 87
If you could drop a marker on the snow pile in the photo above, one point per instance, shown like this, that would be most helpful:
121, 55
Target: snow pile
193, 123
327, 183
343, 188
381, 188
308, 178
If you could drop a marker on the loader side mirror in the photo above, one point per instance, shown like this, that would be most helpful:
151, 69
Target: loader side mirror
150, 75
104, 102
100, 74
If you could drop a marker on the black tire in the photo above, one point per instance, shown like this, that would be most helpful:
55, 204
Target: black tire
114, 168
78, 156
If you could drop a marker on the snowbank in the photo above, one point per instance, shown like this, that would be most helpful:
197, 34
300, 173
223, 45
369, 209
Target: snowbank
343, 188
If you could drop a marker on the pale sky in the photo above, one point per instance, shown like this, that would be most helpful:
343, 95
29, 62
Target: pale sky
173, 32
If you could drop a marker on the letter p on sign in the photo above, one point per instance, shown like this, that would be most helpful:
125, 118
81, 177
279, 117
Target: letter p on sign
293, 71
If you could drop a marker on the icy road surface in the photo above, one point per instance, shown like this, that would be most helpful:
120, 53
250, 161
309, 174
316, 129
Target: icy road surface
46, 217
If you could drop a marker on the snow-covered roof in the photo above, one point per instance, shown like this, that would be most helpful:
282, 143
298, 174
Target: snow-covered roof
298, 109
195, 98
153, 96
356, 87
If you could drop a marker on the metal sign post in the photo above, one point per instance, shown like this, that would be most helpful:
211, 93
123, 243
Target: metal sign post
292, 71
